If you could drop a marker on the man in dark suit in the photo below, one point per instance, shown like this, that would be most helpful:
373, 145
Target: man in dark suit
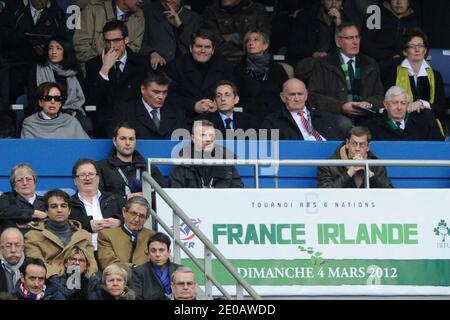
150, 115
296, 121
114, 77
399, 124
151, 281
195, 74
225, 119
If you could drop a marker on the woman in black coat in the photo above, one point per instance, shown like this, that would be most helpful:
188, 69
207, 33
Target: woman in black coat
259, 78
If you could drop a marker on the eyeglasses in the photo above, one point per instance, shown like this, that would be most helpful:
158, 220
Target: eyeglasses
9, 245
49, 98
184, 283
351, 38
116, 40
75, 260
415, 46
89, 175
362, 145
134, 214
24, 179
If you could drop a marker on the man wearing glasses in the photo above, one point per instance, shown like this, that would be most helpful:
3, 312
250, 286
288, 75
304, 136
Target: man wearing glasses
356, 147
114, 76
11, 258
22, 205
128, 243
95, 210
346, 82
183, 284
50, 240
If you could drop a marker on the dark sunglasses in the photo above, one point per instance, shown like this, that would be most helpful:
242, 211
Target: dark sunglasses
49, 98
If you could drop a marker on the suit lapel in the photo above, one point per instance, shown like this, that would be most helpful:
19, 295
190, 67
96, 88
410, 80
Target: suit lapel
143, 117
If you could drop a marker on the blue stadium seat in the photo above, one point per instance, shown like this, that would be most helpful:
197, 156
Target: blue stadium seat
440, 60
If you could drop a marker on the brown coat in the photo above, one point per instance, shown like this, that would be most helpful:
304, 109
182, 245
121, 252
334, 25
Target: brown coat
88, 40
41, 243
114, 246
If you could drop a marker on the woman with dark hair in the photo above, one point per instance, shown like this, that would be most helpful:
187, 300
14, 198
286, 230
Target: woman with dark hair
259, 78
423, 84
50, 123
60, 65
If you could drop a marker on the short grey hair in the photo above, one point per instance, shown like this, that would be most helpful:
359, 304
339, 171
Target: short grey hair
202, 123
18, 167
395, 91
181, 269
115, 269
140, 200
342, 27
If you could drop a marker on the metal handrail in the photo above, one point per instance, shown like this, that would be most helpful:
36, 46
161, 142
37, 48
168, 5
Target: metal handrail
206, 242
305, 163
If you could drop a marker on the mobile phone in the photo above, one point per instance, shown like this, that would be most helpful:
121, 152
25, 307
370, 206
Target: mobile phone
358, 107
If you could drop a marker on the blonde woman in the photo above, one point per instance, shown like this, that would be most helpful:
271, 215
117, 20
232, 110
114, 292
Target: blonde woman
115, 279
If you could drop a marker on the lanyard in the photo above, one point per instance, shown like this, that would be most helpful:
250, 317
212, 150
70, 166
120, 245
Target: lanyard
127, 188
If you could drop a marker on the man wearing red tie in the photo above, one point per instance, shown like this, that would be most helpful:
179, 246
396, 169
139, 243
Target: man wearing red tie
296, 121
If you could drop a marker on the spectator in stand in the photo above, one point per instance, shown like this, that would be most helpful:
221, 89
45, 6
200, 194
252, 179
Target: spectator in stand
60, 65
312, 33
51, 123
122, 171
385, 43
169, 27
11, 258
230, 20
80, 278
399, 124
346, 82
423, 84
258, 77
22, 205
127, 244
355, 147
50, 240
195, 74
183, 284
115, 279
151, 115
296, 121
33, 284
203, 147
94, 209
89, 39
30, 24
226, 119
113, 77
151, 281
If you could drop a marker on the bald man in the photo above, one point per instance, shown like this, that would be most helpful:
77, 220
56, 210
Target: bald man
11, 258
295, 120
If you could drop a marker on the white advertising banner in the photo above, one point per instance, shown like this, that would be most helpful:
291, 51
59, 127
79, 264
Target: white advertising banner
324, 241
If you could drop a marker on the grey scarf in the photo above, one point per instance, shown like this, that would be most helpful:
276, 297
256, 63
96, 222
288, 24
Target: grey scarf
75, 96
258, 66
13, 273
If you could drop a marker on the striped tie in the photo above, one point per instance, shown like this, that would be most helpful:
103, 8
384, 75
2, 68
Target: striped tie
308, 129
